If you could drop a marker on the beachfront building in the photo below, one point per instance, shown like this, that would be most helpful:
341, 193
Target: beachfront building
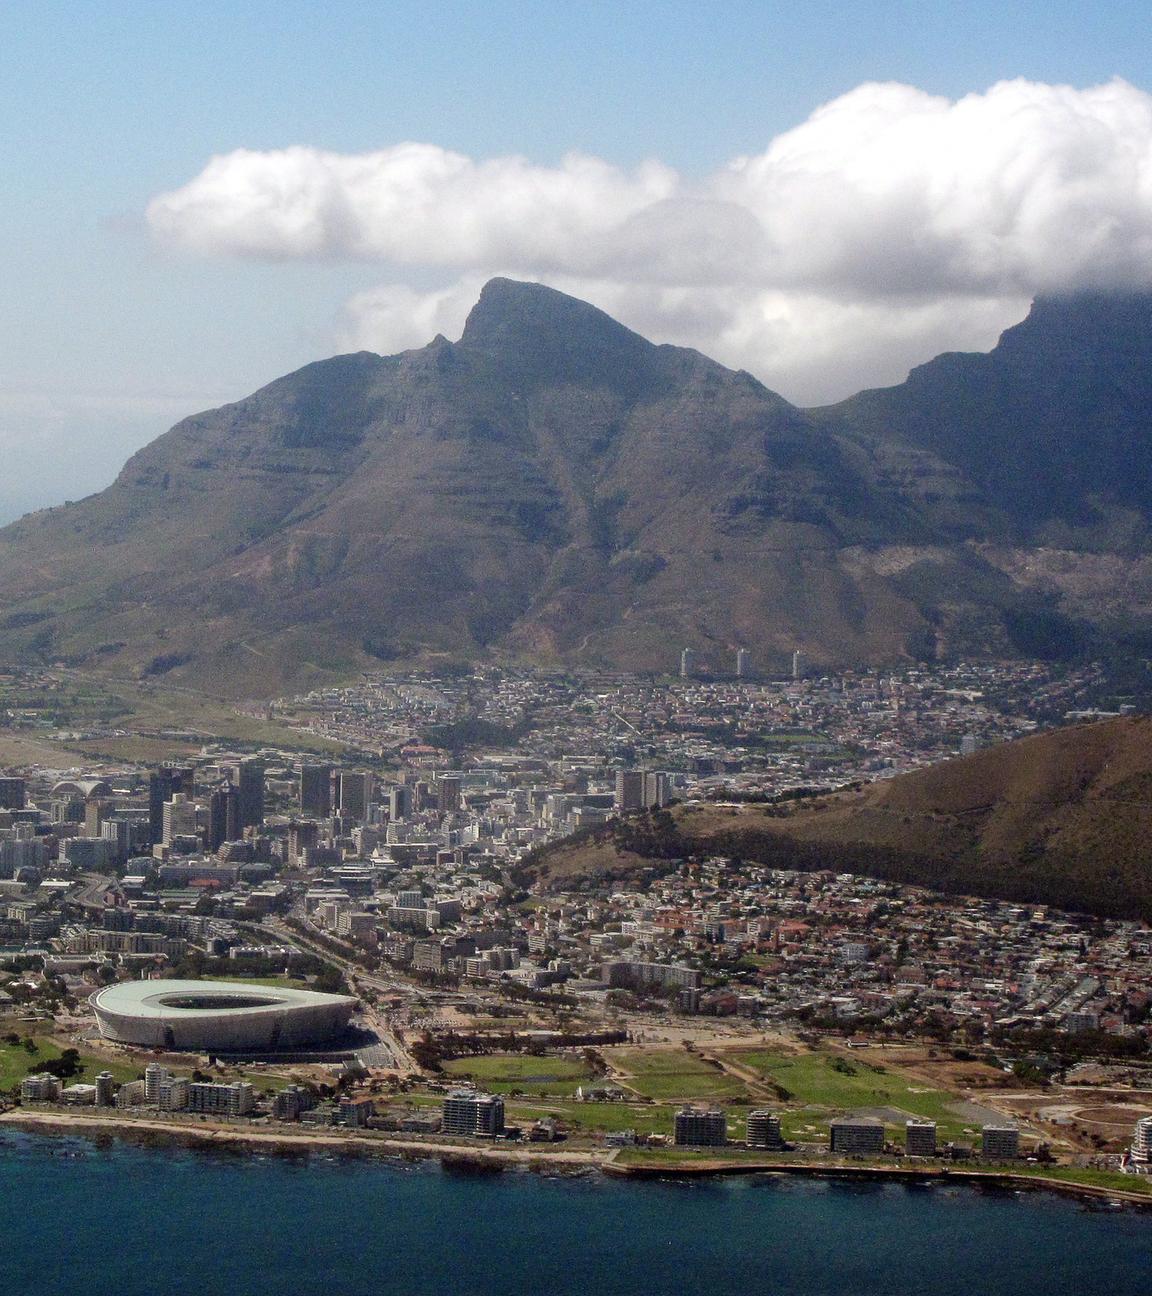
999, 1142
701, 1127
764, 1130
1141, 1154
472, 1114
856, 1136
920, 1138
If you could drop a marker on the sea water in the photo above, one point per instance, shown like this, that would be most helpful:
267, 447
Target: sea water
112, 1219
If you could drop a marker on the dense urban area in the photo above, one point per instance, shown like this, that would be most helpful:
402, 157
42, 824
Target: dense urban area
381, 859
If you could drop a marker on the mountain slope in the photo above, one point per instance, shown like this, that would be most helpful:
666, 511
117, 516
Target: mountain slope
553, 488
1063, 818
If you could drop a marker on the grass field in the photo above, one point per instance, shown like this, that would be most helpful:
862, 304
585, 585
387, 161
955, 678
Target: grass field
675, 1075
15, 1061
824, 1085
505, 1072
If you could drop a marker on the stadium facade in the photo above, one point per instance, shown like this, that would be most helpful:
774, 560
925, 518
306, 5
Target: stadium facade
220, 1016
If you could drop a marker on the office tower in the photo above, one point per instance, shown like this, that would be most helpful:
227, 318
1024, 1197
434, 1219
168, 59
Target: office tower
699, 1127
13, 794
473, 1114
303, 835
629, 790
163, 784
105, 1089
448, 794
119, 833
316, 791
920, 1138
94, 811
797, 664
251, 788
743, 663
399, 802
355, 792
687, 664
764, 1130
224, 817
179, 818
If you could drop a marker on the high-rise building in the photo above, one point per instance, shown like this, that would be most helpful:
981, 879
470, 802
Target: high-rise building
471, 1114
657, 791
224, 817
173, 1093
856, 1136
629, 790
687, 664
399, 802
316, 791
920, 1138
163, 784
179, 818
251, 787
155, 1075
1142, 1143
1000, 1142
303, 835
743, 663
448, 788
700, 1127
105, 1089
13, 794
355, 793
118, 832
764, 1130
797, 665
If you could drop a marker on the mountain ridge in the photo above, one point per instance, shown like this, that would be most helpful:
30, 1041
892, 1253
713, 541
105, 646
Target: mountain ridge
554, 488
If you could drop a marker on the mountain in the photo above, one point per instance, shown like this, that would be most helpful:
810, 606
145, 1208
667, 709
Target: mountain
1062, 818
554, 488
1053, 432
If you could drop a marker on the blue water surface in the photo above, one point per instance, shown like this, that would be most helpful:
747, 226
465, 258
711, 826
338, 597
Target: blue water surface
110, 1219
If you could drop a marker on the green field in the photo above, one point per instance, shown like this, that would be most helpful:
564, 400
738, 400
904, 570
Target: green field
514, 1072
824, 1085
15, 1062
675, 1075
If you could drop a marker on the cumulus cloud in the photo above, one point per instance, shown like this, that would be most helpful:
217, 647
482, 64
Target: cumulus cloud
890, 224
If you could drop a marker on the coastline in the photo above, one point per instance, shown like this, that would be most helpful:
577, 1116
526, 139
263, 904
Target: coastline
537, 1157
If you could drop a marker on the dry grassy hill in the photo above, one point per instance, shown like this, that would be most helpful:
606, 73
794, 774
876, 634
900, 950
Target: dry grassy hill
1063, 818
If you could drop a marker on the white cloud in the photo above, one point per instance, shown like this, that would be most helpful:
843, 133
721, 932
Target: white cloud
890, 224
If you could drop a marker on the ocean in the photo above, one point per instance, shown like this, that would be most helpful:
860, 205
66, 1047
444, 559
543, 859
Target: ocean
112, 1219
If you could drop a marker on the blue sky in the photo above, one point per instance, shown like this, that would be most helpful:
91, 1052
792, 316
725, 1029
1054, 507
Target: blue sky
108, 334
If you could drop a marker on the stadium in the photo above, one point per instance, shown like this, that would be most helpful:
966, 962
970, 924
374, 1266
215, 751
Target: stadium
218, 1016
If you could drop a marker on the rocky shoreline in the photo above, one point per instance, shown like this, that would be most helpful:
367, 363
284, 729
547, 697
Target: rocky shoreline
535, 1157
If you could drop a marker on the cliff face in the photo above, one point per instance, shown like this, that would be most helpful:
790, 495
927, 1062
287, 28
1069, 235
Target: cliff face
551, 487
